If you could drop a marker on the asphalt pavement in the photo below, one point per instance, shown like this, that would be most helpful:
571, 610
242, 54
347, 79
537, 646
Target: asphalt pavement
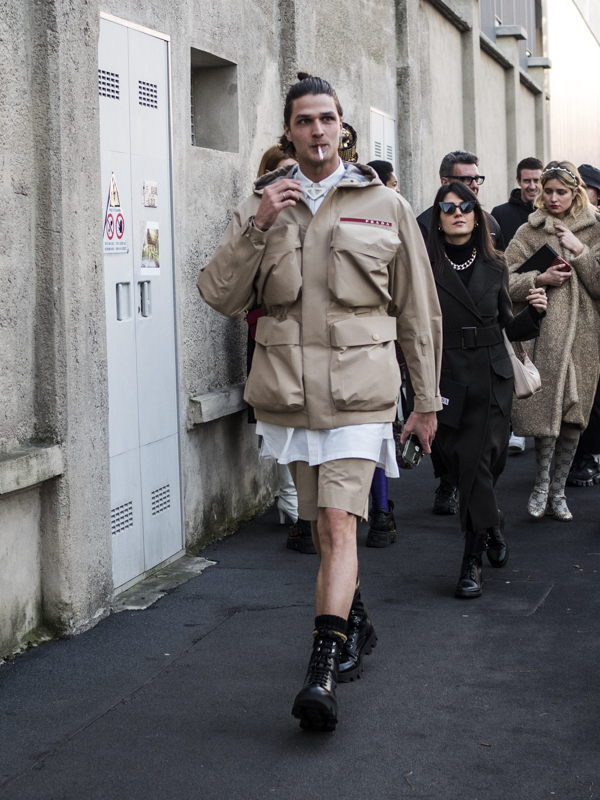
489, 699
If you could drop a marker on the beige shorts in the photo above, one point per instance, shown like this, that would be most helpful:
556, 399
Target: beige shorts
344, 483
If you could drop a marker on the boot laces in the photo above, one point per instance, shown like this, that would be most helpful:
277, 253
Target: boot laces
322, 663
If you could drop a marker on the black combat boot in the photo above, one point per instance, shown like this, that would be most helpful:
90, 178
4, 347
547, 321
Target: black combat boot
300, 537
496, 547
361, 641
470, 582
316, 704
446, 497
382, 531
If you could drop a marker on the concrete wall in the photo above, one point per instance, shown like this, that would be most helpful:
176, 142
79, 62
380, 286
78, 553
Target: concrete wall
21, 583
417, 60
526, 145
443, 110
573, 83
491, 119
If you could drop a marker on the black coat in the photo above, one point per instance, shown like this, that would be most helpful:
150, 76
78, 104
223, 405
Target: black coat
475, 454
510, 216
424, 221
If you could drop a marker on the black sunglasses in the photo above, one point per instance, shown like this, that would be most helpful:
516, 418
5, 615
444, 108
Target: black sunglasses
469, 179
450, 208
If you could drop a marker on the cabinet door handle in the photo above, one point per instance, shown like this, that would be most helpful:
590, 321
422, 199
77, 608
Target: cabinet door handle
123, 301
145, 300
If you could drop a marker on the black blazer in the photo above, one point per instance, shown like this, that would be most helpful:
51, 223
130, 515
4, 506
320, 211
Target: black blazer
484, 304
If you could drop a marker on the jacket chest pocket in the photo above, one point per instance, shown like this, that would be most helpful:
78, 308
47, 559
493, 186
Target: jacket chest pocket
275, 381
357, 272
364, 369
280, 276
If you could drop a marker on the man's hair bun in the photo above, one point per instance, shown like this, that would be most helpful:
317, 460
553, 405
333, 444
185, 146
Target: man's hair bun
302, 76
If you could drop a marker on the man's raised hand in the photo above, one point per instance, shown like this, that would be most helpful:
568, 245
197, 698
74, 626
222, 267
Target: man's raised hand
276, 197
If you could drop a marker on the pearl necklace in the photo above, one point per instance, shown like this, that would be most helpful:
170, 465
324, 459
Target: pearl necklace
467, 264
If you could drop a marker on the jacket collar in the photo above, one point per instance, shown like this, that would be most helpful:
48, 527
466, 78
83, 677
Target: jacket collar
541, 217
478, 285
355, 176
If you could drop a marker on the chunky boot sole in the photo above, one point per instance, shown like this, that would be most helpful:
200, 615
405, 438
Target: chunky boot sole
582, 483
315, 715
381, 538
465, 594
354, 673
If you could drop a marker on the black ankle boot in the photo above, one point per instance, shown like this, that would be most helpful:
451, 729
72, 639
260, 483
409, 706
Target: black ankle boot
361, 641
496, 547
446, 497
382, 531
470, 582
300, 537
316, 704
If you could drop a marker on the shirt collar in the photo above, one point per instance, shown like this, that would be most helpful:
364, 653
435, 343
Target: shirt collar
326, 183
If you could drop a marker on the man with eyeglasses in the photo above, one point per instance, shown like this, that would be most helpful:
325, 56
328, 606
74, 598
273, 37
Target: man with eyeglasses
459, 165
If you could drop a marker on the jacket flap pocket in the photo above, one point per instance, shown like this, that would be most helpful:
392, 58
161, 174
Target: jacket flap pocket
283, 237
363, 331
503, 367
271, 331
377, 242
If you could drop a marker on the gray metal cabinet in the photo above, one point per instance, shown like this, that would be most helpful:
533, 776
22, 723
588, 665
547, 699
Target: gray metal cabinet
133, 80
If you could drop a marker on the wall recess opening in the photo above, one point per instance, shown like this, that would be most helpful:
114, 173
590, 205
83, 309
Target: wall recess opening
214, 100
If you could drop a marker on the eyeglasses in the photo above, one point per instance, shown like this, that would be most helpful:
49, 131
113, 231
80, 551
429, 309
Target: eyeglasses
468, 179
450, 208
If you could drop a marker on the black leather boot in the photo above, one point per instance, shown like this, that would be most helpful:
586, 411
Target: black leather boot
382, 531
361, 641
446, 497
316, 704
496, 547
300, 537
470, 582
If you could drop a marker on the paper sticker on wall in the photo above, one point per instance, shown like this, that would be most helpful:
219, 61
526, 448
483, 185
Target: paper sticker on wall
150, 249
115, 239
150, 194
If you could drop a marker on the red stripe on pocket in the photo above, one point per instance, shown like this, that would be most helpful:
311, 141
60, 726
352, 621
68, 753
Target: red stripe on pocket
367, 221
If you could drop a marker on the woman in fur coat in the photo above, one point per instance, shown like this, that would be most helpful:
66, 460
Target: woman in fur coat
567, 352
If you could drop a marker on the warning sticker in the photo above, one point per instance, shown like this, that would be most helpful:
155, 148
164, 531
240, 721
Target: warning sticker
114, 233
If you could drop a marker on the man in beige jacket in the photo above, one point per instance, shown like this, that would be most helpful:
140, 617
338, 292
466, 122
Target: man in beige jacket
339, 265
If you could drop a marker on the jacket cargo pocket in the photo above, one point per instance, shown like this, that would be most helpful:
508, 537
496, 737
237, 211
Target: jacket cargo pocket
364, 369
357, 271
280, 276
275, 381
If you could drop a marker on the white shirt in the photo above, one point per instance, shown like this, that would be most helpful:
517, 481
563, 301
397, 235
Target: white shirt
373, 441
326, 184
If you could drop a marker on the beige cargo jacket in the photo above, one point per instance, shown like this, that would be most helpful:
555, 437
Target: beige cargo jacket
337, 289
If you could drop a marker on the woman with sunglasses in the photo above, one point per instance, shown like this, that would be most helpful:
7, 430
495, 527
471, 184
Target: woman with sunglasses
477, 375
567, 354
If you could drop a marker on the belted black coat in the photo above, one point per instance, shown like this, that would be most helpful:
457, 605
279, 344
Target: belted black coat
475, 454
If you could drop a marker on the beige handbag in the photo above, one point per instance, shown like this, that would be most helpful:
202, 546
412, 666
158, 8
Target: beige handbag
527, 377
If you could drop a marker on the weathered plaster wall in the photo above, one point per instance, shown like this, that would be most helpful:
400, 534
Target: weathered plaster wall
491, 132
17, 222
20, 568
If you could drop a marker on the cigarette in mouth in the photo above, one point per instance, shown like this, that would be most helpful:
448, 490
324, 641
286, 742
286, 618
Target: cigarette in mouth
321, 156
